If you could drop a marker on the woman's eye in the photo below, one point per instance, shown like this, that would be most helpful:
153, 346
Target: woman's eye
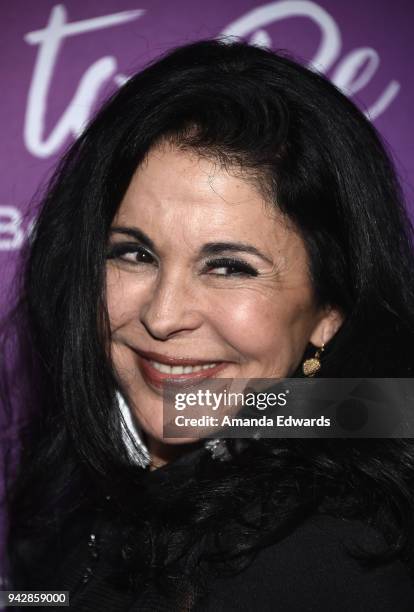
230, 267
130, 253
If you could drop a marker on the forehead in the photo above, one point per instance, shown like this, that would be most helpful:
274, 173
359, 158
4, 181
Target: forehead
177, 195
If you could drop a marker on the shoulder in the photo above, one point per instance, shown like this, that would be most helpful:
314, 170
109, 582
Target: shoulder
313, 569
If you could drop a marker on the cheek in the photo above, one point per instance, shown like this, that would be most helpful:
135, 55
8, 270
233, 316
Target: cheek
124, 363
122, 299
114, 291
258, 324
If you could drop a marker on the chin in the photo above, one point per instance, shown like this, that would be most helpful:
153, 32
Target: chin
156, 434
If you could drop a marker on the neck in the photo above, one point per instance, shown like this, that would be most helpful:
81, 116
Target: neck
162, 453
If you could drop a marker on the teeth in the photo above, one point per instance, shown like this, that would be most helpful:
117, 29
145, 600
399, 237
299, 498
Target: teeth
167, 369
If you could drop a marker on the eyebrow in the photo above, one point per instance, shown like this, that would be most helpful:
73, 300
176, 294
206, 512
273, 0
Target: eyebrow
136, 233
208, 249
215, 248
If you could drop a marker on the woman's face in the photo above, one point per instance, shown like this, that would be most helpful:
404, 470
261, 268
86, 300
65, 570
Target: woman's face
204, 279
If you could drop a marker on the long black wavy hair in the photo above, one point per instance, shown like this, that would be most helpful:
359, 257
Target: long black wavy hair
322, 164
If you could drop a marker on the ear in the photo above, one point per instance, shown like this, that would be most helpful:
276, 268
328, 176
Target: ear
327, 326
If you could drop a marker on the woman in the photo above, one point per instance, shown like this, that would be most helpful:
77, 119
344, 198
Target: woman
228, 213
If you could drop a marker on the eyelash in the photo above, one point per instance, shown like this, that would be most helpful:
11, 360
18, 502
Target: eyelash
118, 250
241, 268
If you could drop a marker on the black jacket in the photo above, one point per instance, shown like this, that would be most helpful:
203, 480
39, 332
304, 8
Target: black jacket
310, 570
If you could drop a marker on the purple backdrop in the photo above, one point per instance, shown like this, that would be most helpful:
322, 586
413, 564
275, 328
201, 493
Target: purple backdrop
61, 60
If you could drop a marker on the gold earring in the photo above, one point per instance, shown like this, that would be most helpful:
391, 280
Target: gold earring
313, 365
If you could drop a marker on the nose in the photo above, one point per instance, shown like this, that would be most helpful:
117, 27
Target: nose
171, 307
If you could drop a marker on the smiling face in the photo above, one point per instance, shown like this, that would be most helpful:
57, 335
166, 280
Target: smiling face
203, 274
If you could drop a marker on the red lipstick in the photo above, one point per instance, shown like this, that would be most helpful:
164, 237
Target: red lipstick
157, 379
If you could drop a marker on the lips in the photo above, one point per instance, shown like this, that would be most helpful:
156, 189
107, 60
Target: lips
160, 369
